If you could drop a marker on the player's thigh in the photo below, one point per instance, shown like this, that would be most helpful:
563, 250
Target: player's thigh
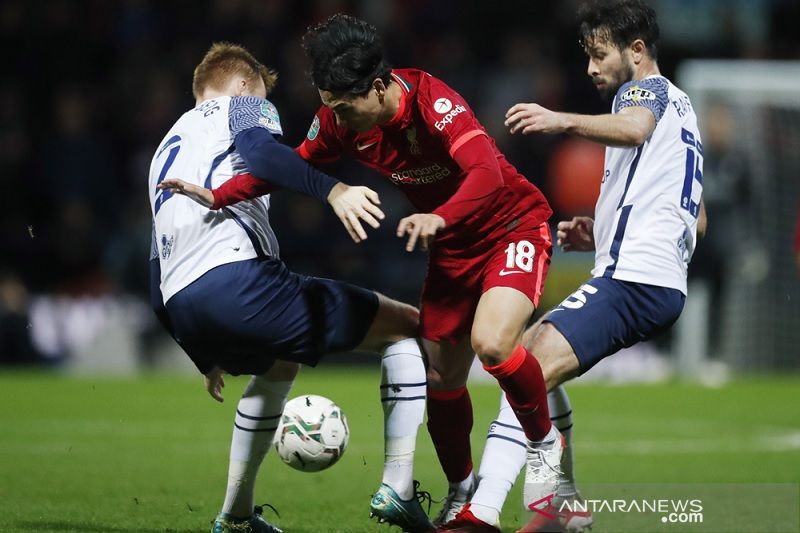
500, 319
448, 363
512, 282
394, 321
256, 311
532, 330
449, 298
340, 315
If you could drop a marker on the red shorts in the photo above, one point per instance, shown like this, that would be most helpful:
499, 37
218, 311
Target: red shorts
457, 278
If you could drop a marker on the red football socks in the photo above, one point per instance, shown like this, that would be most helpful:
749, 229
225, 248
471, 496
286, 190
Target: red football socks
449, 424
521, 377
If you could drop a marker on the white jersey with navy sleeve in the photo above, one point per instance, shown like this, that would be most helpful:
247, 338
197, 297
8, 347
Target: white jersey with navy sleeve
189, 239
646, 215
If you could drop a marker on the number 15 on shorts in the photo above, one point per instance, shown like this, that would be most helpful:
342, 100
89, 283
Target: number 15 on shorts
519, 258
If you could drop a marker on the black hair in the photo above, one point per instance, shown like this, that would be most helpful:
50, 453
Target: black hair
346, 55
621, 22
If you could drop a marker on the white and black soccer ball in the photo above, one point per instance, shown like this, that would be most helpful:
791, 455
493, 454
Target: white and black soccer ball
312, 434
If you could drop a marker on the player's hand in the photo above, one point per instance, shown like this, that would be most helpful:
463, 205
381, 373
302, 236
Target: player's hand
422, 227
201, 195
533, 118
215, 383
576, 235
354, 204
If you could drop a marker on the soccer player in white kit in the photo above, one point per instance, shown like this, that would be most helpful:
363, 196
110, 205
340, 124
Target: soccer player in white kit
643, 234
220, 289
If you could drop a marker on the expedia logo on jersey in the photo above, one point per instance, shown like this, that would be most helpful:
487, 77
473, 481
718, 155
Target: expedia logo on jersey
636, 93
451, 114
420, 176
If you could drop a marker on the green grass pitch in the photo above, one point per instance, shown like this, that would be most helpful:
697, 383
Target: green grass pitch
150, 454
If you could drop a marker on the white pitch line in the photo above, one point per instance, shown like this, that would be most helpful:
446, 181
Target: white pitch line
770, 443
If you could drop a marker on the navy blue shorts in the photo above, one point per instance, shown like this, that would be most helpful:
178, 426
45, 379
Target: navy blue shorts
242, 316
605, 315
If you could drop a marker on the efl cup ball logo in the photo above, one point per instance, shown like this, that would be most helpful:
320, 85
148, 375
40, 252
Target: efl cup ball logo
442, 105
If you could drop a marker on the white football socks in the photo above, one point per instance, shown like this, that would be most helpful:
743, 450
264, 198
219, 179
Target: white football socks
403, 385
503, 458
257, 416
561, 416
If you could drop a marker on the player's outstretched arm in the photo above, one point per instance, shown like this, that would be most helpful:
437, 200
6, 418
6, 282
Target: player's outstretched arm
533, 118
351, 204
237, 189
354, 204
201, 195
576, 235
631, 126
280, 165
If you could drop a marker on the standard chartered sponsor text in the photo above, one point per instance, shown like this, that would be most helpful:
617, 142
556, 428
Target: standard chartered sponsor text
420, 176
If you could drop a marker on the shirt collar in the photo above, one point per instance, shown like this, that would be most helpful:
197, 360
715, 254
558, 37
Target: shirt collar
401, 108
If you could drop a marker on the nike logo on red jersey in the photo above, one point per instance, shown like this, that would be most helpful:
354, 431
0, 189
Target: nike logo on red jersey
362, 147
505, 272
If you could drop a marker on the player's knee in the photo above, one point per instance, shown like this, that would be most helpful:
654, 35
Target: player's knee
396, 319
447, 379
406, 321
410, 317
492, 348
447, 373
435, 379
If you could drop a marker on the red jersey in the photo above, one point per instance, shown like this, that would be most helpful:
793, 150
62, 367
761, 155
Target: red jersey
414, 150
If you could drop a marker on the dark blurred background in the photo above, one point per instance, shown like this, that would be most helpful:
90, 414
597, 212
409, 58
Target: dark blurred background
90, 88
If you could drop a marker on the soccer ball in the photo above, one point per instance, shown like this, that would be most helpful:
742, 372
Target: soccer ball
312, 434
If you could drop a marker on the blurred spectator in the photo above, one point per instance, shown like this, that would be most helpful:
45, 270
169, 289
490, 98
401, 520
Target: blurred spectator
727, 197
16, 346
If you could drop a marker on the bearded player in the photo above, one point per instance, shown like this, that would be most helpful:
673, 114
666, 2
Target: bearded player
648, 216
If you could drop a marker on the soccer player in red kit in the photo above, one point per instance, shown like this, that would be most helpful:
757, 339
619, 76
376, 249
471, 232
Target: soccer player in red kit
483, 224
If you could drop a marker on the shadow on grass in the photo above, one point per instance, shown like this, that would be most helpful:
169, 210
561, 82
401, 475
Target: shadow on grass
91, 528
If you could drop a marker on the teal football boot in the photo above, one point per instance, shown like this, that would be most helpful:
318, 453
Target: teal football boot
387, 507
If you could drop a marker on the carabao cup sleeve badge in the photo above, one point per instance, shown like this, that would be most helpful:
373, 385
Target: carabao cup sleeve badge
313, 131
270, 117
